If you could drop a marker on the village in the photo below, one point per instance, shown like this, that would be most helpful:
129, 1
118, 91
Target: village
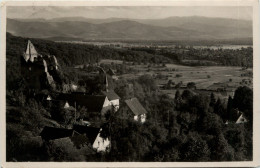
41, 72
92, 127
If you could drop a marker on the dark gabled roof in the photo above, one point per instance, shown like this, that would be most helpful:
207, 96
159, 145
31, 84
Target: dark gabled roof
92, 103
135, 106
110, 72
51, 133
111, 95
41, 96
91, 132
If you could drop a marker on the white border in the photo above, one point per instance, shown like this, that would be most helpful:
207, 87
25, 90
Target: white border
256, 82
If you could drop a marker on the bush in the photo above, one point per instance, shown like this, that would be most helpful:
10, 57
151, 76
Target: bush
178, 75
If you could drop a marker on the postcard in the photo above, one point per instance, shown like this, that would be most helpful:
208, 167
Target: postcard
130, 84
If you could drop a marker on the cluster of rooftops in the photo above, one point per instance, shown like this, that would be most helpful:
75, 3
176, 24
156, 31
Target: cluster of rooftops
90, 130
91, 133
107, 101
80, 136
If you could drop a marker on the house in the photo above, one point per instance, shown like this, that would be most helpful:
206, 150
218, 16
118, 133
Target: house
80, 136
49, 98
113, 98
137, 109
241, 119
96, 105
74, 87
66, 105
96, 137
51, 133
237, 118
43, 97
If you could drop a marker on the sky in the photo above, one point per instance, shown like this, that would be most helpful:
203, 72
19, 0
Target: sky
140, 12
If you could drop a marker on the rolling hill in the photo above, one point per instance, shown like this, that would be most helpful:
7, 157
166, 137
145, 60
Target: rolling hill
172, 28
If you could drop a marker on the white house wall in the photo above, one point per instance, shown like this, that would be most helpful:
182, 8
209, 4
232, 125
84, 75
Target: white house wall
241, 120
66, 105
143, 118
49, 97
106, 102
136, 118
74, 87
115, 103
101, 144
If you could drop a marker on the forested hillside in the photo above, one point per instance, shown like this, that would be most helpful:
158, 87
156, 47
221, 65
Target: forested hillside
69, 54
73, 54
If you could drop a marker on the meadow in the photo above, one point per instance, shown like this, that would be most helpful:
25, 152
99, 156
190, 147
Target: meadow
202, 76
205, 77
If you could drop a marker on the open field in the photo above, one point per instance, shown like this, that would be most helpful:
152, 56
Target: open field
204, 76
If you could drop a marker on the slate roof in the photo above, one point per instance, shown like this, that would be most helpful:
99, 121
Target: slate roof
92, 103
91, 132
111, 95
51, 133
135, 106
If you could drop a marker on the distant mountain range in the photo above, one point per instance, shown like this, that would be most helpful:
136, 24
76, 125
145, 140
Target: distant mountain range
172, 28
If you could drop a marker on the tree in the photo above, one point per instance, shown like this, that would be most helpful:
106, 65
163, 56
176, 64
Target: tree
147, 82
178, 75
200, 103
221, 150
187, 95
170, 82
243, 100
212, 100
82, 113
177, 99
138, 91
124, 89
229, 115
211, 124
219, 109
195, 149
191, 85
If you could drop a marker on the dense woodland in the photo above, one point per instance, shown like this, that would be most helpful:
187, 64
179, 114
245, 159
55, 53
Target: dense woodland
206, 57
190, 127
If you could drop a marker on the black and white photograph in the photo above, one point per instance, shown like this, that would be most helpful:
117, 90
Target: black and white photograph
143, 83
